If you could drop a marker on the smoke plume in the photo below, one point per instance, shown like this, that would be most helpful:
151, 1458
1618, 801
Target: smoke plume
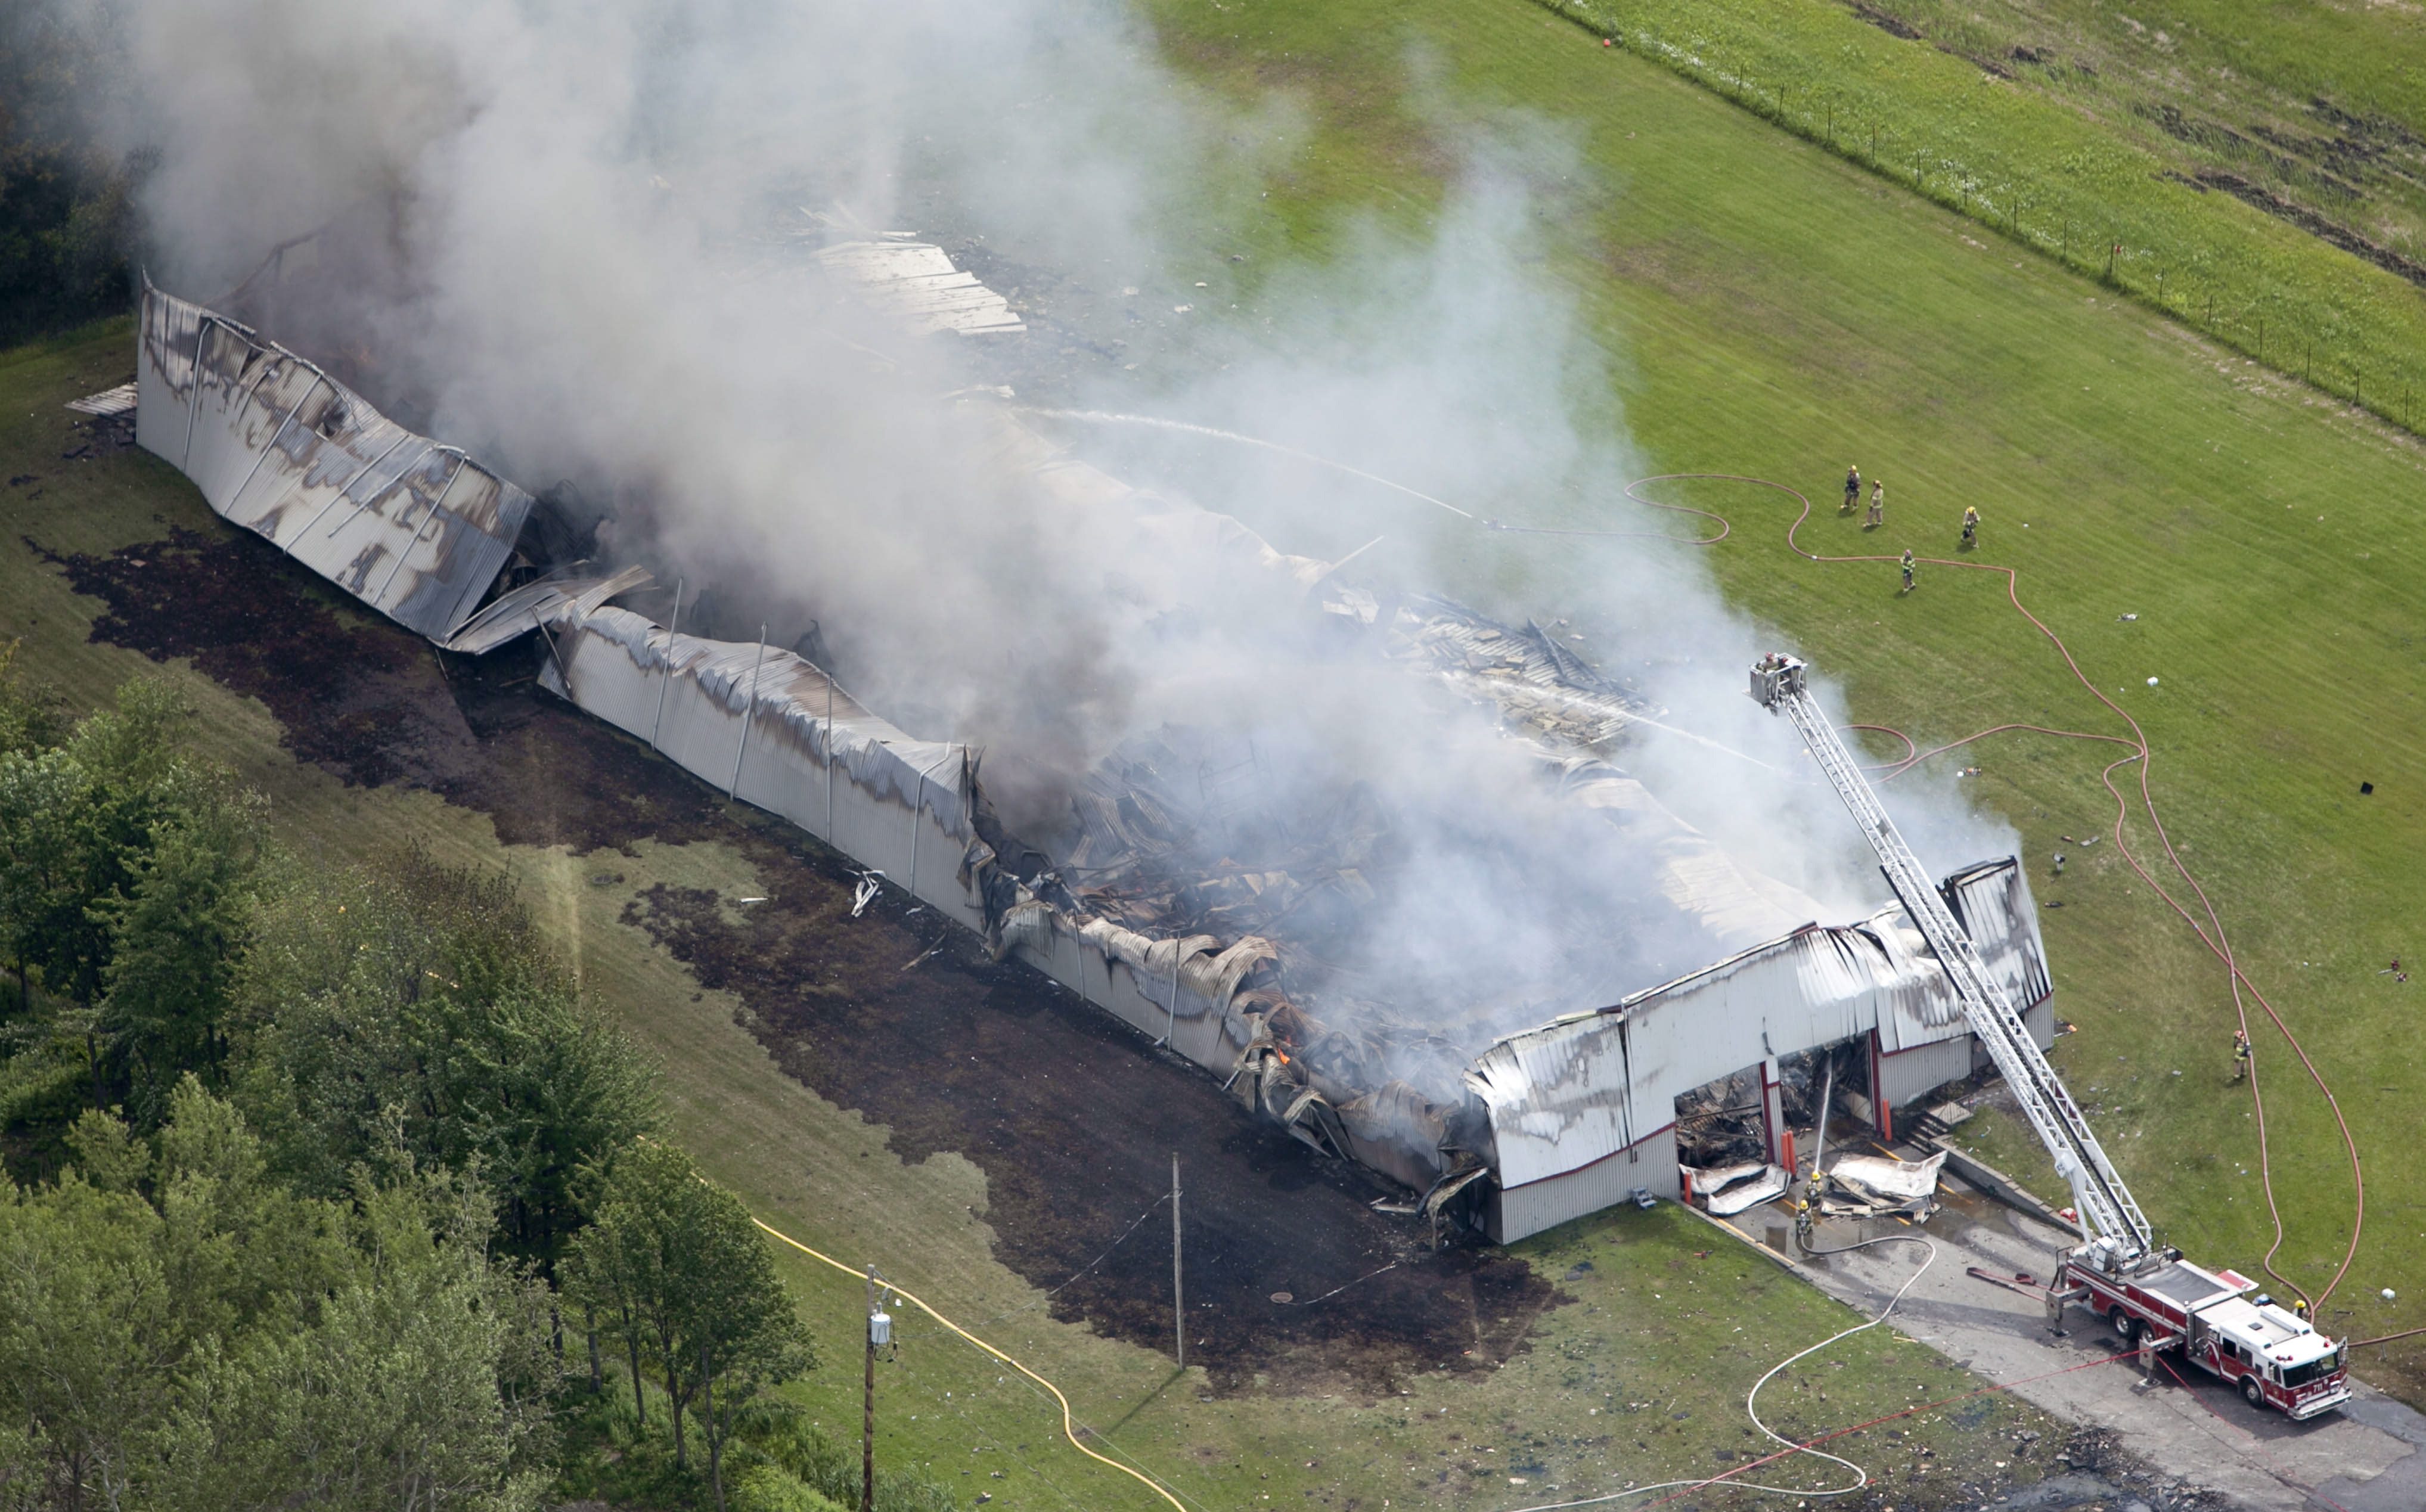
565, 235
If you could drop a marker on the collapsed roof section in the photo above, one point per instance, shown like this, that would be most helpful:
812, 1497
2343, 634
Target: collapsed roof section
412, 527
1138, 912
1183, 830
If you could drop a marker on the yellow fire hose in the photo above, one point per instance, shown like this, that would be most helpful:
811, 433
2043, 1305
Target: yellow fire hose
1069, 1429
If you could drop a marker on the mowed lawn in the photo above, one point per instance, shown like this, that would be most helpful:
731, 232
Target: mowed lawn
1779, 313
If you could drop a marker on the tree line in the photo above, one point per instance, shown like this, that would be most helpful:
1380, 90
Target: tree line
327, 1187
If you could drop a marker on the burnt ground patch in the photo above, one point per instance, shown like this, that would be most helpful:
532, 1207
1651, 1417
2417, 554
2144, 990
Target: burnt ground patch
1073, 1118
375, 705
1071, 1115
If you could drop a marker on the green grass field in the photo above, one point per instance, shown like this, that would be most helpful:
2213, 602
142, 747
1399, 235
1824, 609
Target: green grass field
1778, 311
2098, 168
1774, 310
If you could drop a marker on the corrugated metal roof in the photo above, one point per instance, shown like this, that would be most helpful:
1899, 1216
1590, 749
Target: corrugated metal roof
412, 527
916, 280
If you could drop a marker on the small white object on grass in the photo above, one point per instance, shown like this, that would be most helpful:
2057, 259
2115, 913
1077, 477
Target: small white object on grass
2152, 681
2387, 1294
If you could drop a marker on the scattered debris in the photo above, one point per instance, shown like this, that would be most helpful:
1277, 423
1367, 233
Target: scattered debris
108, 402
1878, 1186
865, 893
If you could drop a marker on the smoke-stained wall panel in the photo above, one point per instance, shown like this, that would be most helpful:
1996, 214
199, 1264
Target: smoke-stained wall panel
413, 529
1564, 1098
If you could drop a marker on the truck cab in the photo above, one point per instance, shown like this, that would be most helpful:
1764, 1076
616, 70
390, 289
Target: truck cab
2272, 1354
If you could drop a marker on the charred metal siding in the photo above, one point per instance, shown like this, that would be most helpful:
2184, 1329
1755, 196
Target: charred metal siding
414, 528
1570, 1117
777, 732
1564, 1099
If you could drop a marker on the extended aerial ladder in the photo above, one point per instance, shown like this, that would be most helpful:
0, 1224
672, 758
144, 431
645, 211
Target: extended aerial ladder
2109, 1217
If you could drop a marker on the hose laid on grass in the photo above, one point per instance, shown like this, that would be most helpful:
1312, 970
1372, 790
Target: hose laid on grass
2211, 934
1069, 1428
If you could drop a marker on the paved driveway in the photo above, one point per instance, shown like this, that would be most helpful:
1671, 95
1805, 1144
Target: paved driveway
2365, 1458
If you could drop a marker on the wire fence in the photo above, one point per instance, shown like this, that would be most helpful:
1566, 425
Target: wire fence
2340, 320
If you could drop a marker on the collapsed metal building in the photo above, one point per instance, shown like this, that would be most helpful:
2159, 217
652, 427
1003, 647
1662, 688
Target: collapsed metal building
1512, 1133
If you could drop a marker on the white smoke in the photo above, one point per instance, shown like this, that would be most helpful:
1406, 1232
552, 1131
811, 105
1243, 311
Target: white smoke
550, 228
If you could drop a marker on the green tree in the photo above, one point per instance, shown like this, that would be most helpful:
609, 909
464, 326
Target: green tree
30, 716
179, 1330
421, 1005
175, 942
746, 1336
414, 1381
684, 1279
90, 1331
66, 211
116, 841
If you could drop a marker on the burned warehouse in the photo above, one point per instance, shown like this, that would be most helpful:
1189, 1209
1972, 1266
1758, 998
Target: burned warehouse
1220, 914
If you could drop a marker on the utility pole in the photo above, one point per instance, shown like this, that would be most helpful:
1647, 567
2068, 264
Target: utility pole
1178, 1302
880, 1330
732, 788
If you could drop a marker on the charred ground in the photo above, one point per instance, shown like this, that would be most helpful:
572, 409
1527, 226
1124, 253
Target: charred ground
1072, 1116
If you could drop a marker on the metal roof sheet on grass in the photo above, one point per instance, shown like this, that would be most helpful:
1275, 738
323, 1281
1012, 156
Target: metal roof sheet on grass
108, 402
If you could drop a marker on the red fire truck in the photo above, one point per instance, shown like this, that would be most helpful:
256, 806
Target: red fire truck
2152, 1297
2164, 1303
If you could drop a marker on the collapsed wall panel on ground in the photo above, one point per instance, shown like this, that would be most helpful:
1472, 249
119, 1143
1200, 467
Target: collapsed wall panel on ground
414, 528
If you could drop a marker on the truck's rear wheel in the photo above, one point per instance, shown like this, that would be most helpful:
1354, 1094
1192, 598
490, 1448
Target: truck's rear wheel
2250, 1391
2127, 1328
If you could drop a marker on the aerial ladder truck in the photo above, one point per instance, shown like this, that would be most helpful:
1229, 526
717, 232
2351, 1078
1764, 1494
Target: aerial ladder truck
2152, 1297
